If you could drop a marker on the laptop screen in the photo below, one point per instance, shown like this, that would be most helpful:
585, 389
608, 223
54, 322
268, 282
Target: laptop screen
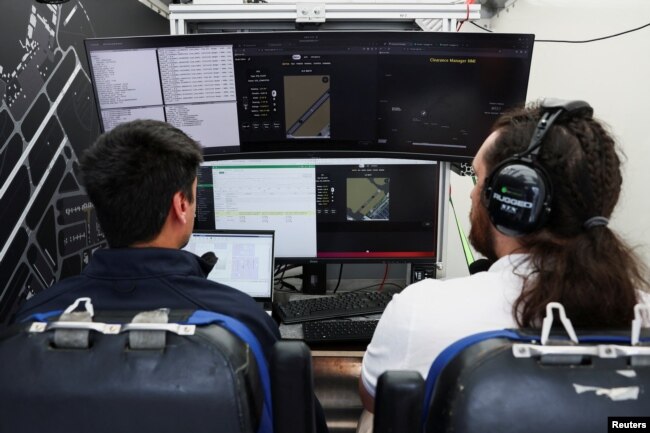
245, 259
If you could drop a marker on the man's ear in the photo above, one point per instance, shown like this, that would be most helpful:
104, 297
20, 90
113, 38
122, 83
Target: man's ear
180, 206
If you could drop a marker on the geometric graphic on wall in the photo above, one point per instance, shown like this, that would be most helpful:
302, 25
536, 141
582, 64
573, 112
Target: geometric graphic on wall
48, 227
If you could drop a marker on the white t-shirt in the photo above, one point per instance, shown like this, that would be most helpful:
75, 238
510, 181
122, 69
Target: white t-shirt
429, 315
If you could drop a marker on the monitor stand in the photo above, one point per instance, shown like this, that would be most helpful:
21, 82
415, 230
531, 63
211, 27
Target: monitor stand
314, 278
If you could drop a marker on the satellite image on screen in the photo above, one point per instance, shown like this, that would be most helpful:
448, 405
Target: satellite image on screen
307, 106
368, 199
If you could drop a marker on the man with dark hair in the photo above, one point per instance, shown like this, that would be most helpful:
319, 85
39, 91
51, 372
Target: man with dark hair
548, 179
142, 179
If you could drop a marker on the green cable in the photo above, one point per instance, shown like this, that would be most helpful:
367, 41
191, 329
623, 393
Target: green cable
469, 256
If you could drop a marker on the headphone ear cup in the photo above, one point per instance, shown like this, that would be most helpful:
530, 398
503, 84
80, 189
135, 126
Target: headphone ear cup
519, 192
518, 197
486, 193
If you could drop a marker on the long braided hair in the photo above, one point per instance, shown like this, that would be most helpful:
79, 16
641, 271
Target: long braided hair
591, 271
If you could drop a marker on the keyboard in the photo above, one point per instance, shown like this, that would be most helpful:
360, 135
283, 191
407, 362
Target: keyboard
339, 330
341, 305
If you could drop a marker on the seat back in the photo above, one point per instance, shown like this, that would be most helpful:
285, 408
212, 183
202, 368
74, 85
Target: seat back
486, 387
200, 379
398, 404
510, 382
292, 388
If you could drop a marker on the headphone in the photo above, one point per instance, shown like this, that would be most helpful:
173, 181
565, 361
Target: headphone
518, 193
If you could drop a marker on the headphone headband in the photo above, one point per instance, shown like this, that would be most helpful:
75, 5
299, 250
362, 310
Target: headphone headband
571, 108
554, 109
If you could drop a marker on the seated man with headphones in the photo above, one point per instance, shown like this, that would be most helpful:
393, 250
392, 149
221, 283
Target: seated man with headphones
548, 179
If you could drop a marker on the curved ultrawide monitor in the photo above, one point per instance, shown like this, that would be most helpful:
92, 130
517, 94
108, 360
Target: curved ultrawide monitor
393, 94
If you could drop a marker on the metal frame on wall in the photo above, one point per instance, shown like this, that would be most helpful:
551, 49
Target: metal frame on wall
428, 16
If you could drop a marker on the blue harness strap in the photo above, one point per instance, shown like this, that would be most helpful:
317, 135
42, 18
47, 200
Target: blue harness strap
201, 317
42, 317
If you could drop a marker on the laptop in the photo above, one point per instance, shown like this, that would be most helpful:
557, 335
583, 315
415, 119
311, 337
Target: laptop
245, 260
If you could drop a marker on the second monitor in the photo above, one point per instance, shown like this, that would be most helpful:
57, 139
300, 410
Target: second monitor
328, 210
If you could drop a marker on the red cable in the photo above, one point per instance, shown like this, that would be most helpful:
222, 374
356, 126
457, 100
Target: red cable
381, 286
460, 24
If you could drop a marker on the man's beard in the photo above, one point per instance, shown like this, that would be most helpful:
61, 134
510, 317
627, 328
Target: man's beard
481, 235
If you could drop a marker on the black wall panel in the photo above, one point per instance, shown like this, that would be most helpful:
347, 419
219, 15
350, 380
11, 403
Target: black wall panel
47, 119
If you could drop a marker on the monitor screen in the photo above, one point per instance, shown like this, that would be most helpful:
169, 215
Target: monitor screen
403, 94
244, 259
321, 209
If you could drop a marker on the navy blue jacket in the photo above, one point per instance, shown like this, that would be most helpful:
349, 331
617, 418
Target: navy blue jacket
143, 279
